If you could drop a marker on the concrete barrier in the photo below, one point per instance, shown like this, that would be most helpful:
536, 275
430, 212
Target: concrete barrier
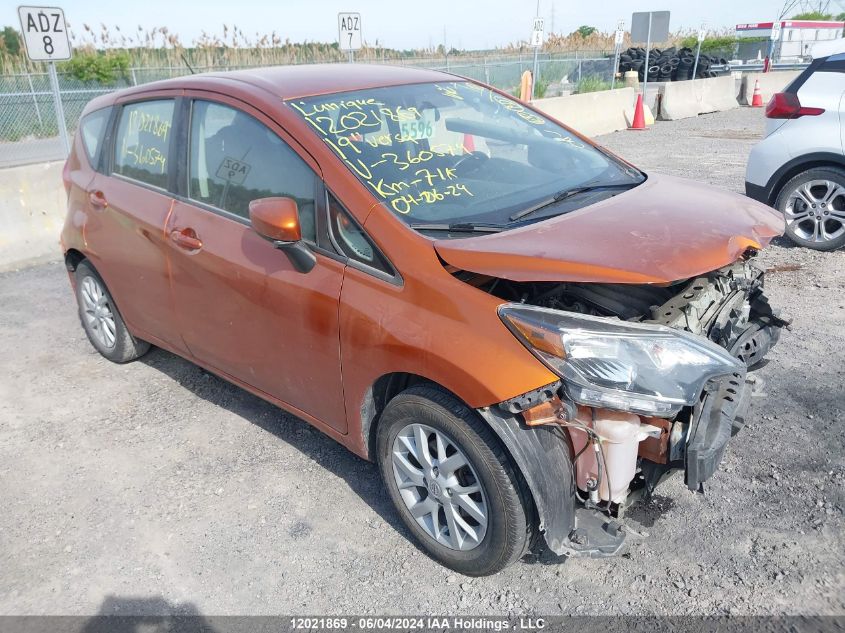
32, 210
770, 83
685, 99
592, 113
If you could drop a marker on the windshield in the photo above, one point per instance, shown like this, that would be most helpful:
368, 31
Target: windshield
456, 152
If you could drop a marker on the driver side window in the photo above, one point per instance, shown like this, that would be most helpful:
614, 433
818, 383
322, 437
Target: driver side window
234, 159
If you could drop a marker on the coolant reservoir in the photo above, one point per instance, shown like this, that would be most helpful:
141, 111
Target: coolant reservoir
621, 435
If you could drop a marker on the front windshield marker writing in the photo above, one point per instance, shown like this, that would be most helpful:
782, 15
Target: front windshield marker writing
450, 152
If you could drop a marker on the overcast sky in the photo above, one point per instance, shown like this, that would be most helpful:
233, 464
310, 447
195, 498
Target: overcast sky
396, 23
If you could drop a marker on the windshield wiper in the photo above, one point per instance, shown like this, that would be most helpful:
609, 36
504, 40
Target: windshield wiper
560, 196
460, 227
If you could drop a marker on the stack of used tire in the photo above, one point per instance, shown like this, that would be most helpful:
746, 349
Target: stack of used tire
671, 64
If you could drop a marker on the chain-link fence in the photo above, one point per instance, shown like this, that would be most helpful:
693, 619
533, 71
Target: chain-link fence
29, 127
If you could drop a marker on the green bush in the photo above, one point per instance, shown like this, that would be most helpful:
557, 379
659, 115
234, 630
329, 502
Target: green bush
812, 15
592, 84
712, 45
10, 40
541, 88
103, 68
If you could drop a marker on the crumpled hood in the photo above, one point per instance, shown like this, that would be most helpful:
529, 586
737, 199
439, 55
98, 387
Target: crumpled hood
664, 230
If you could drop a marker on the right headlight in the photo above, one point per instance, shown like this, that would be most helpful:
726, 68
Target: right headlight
643, 368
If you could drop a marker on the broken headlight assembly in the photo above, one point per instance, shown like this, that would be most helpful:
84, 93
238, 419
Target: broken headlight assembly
648, 369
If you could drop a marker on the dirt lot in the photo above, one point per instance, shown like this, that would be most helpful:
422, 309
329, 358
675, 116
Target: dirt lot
156, 487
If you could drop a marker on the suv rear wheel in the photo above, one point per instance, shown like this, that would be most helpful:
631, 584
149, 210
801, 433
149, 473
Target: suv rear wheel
101, 320
813, 205
452, 483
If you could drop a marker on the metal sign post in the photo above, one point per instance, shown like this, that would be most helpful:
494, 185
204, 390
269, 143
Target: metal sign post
46, 39
701, 33
647, 53
617, 42
349, 33
60, 110
773, 38
536, 42
647, 26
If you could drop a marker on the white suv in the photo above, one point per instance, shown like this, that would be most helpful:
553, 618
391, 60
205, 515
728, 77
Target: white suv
799, 167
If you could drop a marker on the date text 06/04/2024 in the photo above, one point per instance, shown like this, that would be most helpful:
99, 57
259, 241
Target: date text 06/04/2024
407, 623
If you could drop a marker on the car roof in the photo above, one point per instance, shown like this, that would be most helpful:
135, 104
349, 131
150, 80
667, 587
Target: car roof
305, 80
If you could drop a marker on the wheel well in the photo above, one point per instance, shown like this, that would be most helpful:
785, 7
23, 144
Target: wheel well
794, 170
391, 385
73, 258
383, 391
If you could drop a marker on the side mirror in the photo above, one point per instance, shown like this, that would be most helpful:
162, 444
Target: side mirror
277, 220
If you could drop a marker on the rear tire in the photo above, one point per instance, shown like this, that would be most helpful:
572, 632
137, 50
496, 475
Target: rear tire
813, 207
427, 492
101, 319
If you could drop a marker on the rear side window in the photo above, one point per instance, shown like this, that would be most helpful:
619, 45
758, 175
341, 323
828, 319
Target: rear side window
142, 143
92, 129
236, 159
801, 79
834, 64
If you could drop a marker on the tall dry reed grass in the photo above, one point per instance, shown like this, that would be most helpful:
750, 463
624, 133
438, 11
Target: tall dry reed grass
160, 47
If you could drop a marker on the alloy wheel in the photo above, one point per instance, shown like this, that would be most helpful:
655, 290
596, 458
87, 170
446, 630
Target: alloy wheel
97, 312
440, 487
815, 211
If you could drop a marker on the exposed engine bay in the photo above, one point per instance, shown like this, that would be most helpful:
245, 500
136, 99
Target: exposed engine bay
616, 451
727, 306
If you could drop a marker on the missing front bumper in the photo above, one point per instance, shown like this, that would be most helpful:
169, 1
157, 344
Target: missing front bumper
720, 413
542, 454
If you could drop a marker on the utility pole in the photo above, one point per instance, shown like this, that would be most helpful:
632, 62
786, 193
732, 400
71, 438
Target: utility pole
536, 61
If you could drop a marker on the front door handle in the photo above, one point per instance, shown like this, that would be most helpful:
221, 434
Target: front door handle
186, 239
98, 199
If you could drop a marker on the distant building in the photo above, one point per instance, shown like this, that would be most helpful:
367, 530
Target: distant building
796, 38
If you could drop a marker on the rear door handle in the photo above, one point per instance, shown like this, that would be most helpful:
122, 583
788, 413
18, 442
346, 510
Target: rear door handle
98, 199
186, 239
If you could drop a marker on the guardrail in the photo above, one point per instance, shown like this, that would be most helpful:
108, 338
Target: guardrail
758, 67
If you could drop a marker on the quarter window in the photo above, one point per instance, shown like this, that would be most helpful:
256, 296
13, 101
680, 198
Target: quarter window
91, 129
143, 141
351, 239
236, 159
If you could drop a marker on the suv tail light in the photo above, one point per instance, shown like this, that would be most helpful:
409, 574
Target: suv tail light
66, 176
785, 105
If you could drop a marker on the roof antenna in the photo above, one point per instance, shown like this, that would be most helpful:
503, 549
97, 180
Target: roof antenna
185, 59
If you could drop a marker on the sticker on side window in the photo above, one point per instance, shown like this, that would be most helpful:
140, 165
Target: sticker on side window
233, 170
419, 128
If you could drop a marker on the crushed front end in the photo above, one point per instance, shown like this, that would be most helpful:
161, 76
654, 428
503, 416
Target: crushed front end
654, 379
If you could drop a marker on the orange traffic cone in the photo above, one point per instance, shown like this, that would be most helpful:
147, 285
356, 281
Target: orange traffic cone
639, 116
757, 98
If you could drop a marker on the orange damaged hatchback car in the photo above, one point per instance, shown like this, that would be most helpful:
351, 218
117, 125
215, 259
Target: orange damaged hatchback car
524, 331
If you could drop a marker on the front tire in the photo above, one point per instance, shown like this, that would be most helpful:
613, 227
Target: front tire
452, 482
101, 320
813, 207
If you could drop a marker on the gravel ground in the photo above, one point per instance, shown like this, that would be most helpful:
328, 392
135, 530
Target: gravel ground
156, 487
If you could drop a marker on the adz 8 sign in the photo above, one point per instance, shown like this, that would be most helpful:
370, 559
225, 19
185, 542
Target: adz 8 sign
44, 33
